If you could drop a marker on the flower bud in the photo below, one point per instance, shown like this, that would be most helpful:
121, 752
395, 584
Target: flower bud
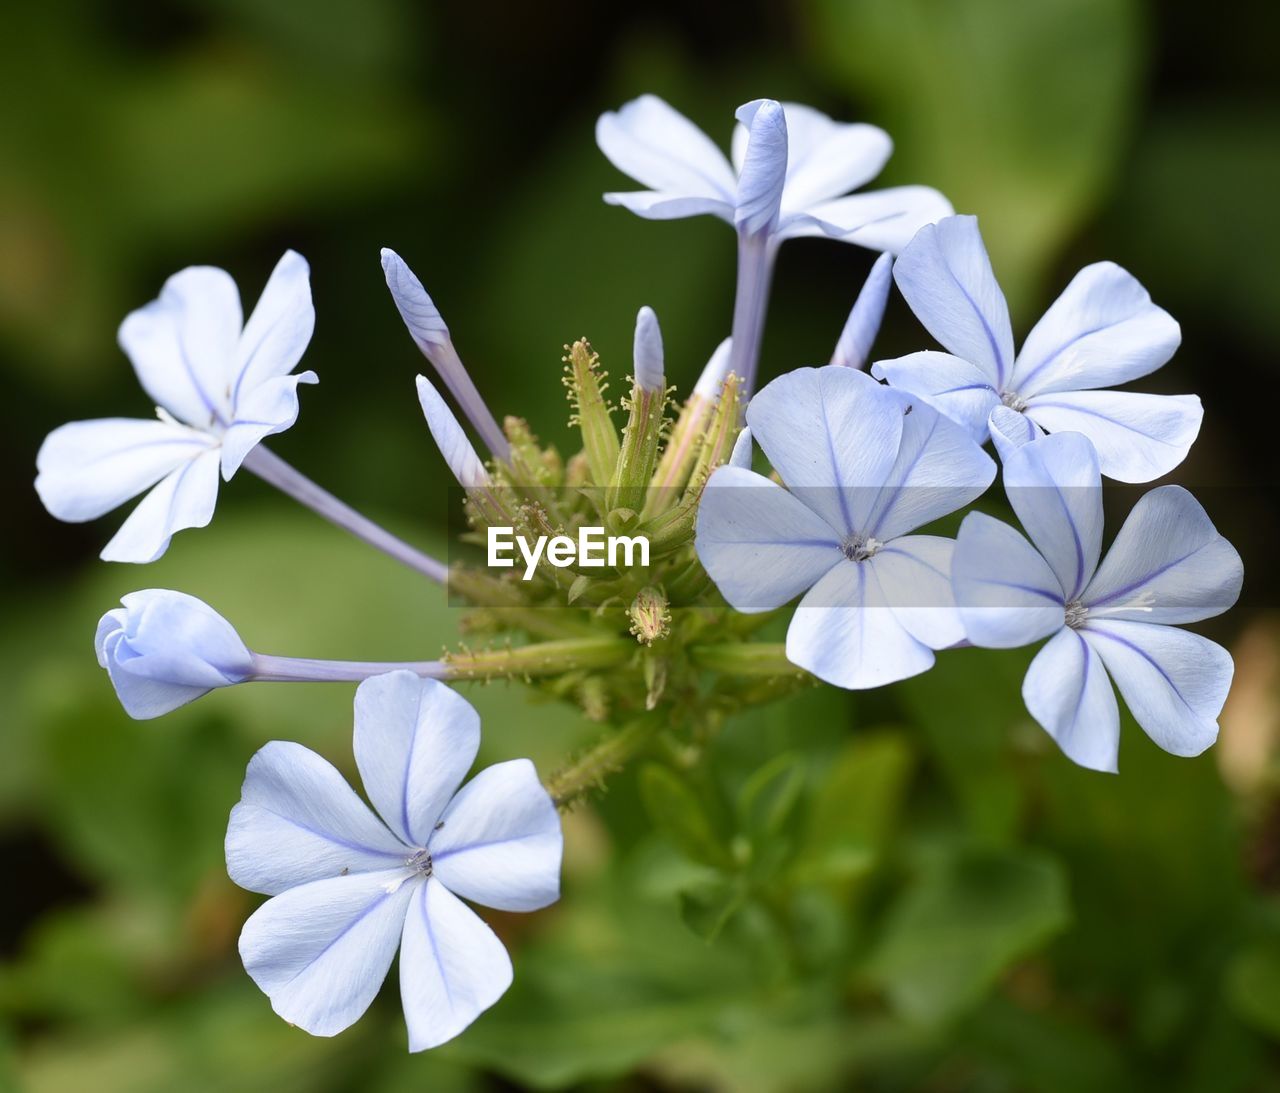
585, 380
163, 649
646, 408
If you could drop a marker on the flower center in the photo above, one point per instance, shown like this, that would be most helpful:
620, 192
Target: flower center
420, 862
1013, 400
1076, 613
858, 549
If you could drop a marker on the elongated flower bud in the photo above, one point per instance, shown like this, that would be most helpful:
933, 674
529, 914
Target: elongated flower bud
643, 431
450, 439
648, 351
429, 331
163, 649
860, 329
764, 168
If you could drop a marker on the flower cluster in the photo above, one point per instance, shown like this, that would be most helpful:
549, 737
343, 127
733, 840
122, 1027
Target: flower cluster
660, 650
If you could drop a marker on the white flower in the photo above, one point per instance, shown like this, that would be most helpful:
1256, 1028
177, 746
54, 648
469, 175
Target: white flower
349, 888
220, 385
791, 164
1102, 331
163, 649
1168, 565
864, 467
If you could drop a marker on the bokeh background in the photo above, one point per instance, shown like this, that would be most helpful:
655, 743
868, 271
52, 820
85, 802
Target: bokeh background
940, 901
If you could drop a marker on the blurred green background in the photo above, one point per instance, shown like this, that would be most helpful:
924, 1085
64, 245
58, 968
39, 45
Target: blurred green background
935, 899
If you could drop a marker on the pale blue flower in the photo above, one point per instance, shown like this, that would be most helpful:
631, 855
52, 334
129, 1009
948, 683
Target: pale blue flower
790, 166
349, 887
1102, 331
220, 385
864, 466
1168, 565
163, 649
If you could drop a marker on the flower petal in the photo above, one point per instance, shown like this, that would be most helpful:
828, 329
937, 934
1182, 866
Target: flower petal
183, 345
661, 148
956, 387
830, 158
1167, 565
499, 842
450, 438
844, 633
1010, 430
760, 545
88, 468
270, 407
914, 573
664, 205
321, 951
938, 469
1067, 691
1101, 332
1054, 486
764, 166
885, 220
415, 740
1005, 591
278, 331
298, 821
743, 451
452, 966
184, 499
1174, 682
863, 324
646, 352
1138, 436
833, 434
946, 277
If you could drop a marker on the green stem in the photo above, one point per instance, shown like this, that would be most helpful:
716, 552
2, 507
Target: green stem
746, 659
547, 658
590, 770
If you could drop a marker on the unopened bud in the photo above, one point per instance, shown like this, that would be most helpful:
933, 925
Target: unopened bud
586, 383
650, 615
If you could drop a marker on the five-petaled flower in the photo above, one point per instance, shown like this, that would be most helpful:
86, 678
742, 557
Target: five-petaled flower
1168, 565
863, 467
348, 888
791, 164
1102, 331
220, 385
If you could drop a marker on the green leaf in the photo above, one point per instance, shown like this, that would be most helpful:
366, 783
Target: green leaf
1253, 986
856, 805
706, 910
676, 811
768, 798
963, 921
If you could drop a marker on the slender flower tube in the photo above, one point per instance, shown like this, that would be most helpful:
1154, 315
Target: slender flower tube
164, 649
271, 468
429, 331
